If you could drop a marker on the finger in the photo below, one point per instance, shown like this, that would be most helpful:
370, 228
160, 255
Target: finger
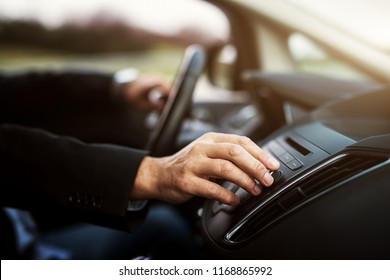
155, 91
223, 169
266, 158
157, 98
242, 159
204, 188
157, 83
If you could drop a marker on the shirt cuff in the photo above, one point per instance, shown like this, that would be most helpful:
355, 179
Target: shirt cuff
136, 205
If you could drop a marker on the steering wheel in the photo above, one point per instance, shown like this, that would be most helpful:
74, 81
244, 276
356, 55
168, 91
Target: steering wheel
162, 139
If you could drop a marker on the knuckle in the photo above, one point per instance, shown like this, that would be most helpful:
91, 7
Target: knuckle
182, 181
261, 154
211, 191
249, 182
208, 136
197, 149
234, 150
194, 149
226, 168
245, 182
244, 140
259, 167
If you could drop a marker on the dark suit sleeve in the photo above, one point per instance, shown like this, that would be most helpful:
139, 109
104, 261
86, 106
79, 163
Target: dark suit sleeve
74, 103
43, 171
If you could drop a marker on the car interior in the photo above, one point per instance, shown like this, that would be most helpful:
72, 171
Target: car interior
330, 198
331, 133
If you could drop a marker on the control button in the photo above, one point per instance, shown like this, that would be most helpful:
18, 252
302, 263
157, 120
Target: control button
286, 157
277, 175
294, 164
276, 149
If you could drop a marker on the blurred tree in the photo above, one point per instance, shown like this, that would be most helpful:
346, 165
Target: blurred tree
92, 37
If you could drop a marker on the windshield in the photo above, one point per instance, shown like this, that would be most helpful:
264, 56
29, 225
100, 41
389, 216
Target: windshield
168, 19
107, 35
367, 20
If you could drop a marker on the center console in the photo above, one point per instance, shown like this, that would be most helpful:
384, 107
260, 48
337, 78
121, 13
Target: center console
330, 197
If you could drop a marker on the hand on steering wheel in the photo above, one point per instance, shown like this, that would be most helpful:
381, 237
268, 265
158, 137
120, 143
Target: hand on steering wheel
163, 137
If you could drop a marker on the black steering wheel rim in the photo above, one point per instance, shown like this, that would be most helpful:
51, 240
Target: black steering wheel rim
162, 139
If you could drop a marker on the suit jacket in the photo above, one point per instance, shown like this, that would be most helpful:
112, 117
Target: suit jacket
40, 170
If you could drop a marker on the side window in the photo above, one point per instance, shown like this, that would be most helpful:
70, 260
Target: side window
309, 58
223, 66
100, 45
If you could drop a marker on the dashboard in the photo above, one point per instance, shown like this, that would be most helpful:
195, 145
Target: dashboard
330, 198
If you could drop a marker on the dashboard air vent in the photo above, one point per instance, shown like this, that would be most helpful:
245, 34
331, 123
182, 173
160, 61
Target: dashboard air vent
318, 182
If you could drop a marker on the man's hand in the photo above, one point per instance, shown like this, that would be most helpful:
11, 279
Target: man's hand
192, 171
139, 92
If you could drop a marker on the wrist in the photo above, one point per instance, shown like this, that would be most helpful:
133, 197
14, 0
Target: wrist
146, 180
122, 79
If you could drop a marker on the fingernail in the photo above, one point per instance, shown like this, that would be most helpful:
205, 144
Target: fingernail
273, 162
268, 180
257, 190
236, 200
